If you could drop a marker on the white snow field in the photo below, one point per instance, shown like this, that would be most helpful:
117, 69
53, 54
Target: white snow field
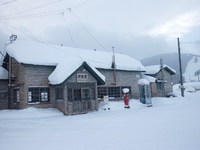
171, 124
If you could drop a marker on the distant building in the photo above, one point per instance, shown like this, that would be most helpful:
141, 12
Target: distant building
70, 79
163, 84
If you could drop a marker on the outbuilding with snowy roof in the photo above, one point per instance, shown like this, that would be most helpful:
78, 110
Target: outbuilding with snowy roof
162, 74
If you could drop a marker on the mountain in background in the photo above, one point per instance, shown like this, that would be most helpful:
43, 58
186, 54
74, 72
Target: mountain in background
190, 65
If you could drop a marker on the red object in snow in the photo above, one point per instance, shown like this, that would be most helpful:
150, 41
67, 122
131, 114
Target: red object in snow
126, 100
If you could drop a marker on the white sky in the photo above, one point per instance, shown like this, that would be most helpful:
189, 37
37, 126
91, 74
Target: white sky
138, 28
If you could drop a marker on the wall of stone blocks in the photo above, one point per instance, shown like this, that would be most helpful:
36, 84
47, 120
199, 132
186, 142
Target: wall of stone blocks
123, 78
3, 94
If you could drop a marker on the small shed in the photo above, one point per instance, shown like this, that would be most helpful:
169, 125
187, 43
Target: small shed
163, 75
145, 91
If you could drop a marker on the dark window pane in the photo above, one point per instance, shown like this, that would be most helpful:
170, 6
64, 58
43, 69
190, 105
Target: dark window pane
77, 94
102, 92
114, 91
86, 94
38, 95
70, 95
59, 93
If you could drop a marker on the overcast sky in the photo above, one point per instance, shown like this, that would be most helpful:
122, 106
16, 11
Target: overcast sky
139, 28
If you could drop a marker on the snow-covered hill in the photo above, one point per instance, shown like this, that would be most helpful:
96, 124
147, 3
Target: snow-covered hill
192, 71
171, 124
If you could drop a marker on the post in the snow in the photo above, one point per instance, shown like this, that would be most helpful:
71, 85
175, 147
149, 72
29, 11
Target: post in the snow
126, 98
106, 103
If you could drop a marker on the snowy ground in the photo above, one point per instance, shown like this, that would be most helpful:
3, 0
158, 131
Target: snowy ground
171, 124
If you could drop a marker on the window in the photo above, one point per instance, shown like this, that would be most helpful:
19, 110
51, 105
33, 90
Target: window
80, 94
3, 94
16, 95
102, 92
59, 93
160, 86
114, 91
38, 94
70, 95
77, 94
82, 77
86, 94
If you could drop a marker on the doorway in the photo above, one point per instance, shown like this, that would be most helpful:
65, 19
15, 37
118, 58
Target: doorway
82, 99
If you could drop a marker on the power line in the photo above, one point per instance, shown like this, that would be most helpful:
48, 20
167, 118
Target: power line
2, 53
191, 42
14, 28
51, 46
34, 8
84, 27
7, 2
44, 14
13, 15
67, 28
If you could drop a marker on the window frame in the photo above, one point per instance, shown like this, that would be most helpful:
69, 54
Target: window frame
38, 95
82, 77
59, 92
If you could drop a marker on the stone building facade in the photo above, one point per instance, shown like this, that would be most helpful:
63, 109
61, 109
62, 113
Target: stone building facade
50, 76
163, 80
3, 94
31, 87
124, 79
3, 88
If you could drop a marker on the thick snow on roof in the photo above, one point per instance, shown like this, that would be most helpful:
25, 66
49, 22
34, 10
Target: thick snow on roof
62, 72
44, 54
156, 68
143, 82
3, 73
149, 78
67, 58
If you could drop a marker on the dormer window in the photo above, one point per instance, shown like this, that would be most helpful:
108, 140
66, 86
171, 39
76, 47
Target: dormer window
82, 77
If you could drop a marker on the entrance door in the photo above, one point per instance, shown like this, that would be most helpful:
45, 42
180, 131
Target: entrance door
86, 98
81, 99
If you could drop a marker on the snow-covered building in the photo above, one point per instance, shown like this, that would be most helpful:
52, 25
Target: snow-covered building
70, 79
3, 88
162, 74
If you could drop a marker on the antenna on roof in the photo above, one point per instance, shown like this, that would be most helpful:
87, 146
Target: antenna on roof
13, 37
113, 66
161, 63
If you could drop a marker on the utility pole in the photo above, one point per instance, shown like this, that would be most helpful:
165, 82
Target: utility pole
180, 68
114, 66
162, 76
12, 38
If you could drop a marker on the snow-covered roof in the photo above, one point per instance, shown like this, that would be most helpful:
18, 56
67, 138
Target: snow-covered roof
3, 73
143, 82
151, 70
66, 59
63, 71
149, 78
